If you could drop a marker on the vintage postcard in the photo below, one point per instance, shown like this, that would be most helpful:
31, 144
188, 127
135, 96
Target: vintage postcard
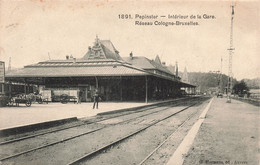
129, 82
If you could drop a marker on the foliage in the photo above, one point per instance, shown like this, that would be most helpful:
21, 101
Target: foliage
253, 83
205, 81
240, 88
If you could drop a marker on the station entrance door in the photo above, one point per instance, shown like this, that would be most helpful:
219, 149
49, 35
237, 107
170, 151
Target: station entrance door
86, 93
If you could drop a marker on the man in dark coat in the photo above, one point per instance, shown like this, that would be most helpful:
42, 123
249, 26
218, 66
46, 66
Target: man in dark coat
96, 99
80, 93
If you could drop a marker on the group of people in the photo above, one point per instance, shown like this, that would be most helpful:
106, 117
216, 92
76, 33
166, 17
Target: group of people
96, 98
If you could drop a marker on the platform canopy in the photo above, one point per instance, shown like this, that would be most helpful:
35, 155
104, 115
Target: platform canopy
101, 60
80, 68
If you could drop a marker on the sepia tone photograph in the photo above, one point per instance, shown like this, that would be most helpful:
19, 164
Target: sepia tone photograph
101, 82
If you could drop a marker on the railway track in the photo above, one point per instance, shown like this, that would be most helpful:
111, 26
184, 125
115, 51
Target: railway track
122, 146
172, 134
102, 148
174, 102
89, 155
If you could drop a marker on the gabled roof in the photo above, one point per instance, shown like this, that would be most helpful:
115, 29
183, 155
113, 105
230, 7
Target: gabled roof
102, 49
139, 61
171, 69
157, 60
160, 67
109, 50
147, 64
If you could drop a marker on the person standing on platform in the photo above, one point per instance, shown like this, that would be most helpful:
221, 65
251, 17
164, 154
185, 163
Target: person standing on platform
96, 98
79, 97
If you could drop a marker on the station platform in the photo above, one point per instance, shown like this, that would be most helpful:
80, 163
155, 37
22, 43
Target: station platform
229, 134
11, 117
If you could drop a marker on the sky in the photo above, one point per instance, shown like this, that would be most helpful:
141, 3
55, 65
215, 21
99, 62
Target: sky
37, 30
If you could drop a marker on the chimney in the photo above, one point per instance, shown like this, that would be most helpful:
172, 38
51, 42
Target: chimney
163, 63
67, 57
74, 60
89, 48
131, 55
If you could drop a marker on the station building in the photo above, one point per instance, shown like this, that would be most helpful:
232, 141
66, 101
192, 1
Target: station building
117, 79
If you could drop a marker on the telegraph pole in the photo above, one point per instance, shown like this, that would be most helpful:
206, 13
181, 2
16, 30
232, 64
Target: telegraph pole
230, 74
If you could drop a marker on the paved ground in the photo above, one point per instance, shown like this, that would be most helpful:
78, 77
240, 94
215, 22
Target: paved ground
37, 113
228, 135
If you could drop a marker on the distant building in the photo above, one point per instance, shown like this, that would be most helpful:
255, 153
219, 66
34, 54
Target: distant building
254, 93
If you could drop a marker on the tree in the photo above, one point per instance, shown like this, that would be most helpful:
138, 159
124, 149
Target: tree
240, 88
